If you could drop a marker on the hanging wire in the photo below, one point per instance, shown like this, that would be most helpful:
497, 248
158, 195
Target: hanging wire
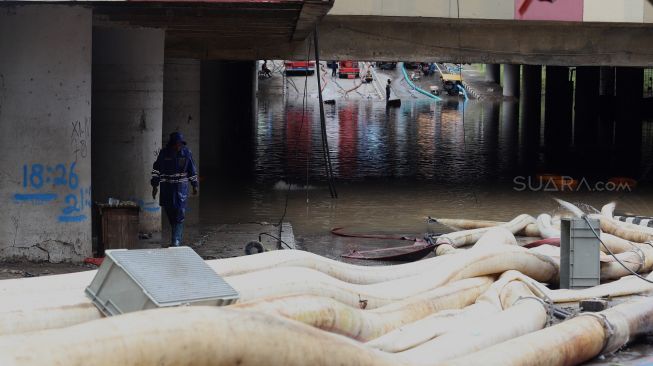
299, 136
325, 142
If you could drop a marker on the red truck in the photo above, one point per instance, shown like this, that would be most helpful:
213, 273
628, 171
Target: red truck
299, 67
348, 69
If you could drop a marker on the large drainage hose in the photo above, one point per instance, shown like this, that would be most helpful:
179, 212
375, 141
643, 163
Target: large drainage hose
571, 342
415, 87
191, 335
333, 316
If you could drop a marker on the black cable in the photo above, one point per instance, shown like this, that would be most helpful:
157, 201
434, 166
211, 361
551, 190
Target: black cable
325, 143
299, 136
273, 237
612, 254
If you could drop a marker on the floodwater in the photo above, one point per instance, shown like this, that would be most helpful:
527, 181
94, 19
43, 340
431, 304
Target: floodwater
394, 167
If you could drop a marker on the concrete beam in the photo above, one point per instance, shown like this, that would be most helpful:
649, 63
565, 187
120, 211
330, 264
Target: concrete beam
472, 9
382, 38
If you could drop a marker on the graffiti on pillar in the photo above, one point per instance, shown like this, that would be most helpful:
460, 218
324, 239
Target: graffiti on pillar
79, 137
562, 10
43, 184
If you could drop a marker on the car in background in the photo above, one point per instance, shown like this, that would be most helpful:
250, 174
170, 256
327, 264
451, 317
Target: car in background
451, 83
412, 65
299, 67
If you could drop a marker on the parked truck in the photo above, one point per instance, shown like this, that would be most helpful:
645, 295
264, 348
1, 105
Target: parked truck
299, 67
348, 70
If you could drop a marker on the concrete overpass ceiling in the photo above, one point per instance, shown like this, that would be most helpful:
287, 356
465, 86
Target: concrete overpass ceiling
194, 27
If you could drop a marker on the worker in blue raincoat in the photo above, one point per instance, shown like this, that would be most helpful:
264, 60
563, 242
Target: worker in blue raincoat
173, 169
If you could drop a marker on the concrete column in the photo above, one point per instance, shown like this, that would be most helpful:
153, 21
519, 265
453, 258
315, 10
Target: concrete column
181, 112
493, 73
228, 115
181, 102
127, 116
511, 80
45, 115
586, 125
557, 117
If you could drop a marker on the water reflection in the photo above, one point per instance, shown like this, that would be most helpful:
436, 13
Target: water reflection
455, 142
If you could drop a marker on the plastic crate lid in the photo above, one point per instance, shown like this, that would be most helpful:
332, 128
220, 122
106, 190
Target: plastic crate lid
172, 275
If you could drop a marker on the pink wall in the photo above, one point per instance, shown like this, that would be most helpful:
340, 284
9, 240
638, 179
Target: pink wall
566, 10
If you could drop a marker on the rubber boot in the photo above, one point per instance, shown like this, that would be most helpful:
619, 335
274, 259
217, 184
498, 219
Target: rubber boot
177, 234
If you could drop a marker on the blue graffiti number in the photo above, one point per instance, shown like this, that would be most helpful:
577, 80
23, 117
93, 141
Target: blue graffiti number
60, 175
35, 175
73, 180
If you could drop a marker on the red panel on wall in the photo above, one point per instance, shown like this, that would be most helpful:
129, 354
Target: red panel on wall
565, 10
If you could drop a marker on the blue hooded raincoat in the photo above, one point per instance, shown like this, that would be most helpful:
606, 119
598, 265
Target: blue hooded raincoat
173, 170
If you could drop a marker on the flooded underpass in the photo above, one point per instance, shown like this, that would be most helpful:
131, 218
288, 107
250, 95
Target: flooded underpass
394, 167
326, 182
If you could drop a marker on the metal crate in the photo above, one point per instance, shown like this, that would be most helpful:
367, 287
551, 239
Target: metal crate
134, 280
580, 265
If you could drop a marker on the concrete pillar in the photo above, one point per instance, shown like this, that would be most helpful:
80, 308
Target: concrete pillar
45, 115
557, 116
181, 112
228, 115
493, 73
586, 107
127, 116
511, 80
181, 102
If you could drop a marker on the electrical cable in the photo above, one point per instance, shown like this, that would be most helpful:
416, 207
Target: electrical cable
325, 142
273, 237
299, 136
584, 217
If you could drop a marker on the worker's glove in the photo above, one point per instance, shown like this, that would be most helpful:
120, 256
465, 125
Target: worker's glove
194, 191
155, 190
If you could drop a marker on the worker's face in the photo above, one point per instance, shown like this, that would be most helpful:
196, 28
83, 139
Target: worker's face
178, 146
